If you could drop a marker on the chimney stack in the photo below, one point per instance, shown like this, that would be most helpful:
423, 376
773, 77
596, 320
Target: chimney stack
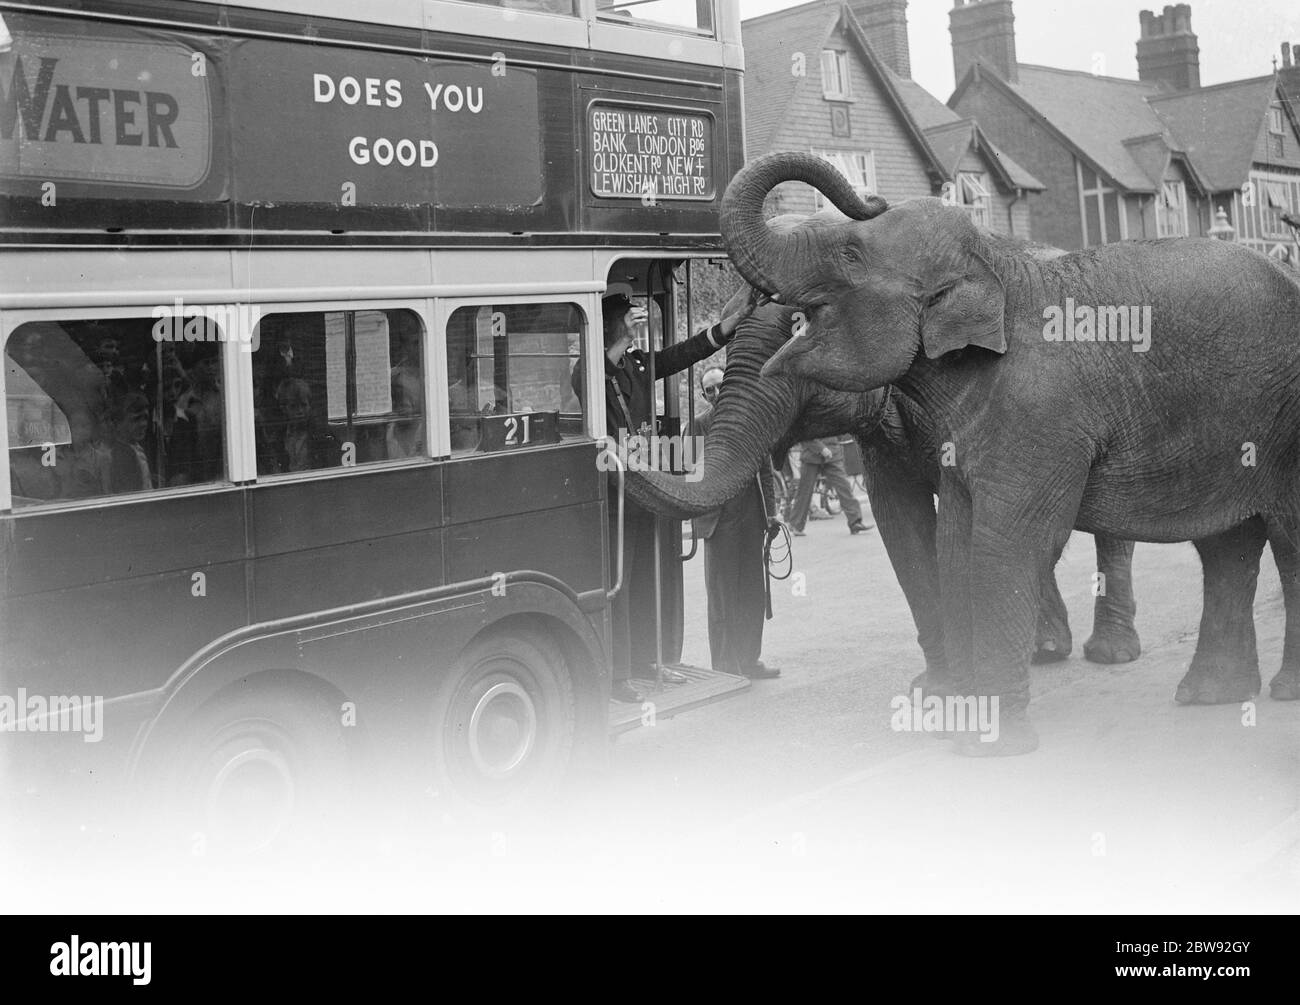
1286, 55
1167, 51
885, 23
984, 31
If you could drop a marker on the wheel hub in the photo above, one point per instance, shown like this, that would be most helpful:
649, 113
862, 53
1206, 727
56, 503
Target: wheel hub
502, 729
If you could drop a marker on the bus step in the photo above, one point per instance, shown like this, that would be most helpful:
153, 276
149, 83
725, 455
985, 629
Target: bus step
700, 688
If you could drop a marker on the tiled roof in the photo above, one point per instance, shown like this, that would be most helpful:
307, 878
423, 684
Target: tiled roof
770, 44
1219, 127
928, 110
1097, 114
950, 135
1129, 128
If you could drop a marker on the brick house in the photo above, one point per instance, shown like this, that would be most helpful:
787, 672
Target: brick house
834, 79
1154, 157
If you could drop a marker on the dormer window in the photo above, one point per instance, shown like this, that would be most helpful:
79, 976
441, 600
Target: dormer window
835, 75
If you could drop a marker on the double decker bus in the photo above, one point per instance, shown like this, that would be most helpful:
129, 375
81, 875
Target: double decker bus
299, 480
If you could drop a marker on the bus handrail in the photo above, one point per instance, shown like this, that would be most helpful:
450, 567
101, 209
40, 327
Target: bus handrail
613, 591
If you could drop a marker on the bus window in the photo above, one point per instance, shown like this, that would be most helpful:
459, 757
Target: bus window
692, 15
510, 376
542, 6
338, 388
99, 408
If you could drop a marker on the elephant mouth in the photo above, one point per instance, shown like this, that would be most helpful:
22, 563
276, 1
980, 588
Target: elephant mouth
779, 364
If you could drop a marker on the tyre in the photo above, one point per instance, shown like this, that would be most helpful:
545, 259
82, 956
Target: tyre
262, 769
504, 721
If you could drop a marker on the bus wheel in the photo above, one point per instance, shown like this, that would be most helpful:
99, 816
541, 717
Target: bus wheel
260, 769
504, 719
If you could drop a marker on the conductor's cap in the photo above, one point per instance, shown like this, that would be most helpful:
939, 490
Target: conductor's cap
616, 295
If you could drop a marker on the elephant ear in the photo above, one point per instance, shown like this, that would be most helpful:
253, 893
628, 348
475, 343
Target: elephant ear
968, 310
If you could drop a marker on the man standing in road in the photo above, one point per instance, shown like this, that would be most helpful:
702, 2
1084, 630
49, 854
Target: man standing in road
825, 459
734, 572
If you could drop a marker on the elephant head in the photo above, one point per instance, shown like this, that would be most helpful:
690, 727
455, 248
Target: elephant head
871, 293
754, 416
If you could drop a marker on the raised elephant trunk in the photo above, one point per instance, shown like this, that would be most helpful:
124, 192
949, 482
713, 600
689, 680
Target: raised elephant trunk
770, 260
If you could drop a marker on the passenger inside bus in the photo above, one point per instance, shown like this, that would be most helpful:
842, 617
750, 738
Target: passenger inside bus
102, 407
338, 388
302, 443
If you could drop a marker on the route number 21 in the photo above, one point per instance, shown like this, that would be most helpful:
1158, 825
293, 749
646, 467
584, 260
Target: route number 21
515, 426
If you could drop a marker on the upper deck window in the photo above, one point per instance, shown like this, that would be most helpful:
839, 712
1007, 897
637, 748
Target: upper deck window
568, 7
695, 16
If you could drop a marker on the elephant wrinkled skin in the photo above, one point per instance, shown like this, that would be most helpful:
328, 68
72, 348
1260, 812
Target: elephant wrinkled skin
755, 417
1195, 437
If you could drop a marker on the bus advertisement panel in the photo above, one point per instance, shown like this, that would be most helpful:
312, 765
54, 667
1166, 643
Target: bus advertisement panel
110, 127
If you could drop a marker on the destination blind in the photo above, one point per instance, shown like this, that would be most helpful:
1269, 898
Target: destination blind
649, 154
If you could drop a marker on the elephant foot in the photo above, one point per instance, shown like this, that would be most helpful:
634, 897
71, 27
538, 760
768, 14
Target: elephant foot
937, 684
1049, 651
1014, 735
932, 682
1285, 686
1217, 685
1112, 645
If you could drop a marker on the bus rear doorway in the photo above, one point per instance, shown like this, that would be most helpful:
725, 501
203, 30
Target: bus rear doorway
672, 300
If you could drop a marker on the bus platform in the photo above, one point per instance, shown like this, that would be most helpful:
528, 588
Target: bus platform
663, 701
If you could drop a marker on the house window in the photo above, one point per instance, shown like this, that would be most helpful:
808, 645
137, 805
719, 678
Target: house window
1276, 203
835, 75
973, 191
858, 167
1171, 210
1275, 120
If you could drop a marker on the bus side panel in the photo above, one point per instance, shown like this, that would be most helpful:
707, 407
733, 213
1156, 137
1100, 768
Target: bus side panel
526, 510
328, 542
556, 541
109, 601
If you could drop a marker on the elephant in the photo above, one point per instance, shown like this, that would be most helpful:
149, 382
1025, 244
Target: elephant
1185, 426
755, 417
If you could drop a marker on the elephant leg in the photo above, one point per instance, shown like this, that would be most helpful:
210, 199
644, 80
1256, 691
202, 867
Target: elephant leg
1005, 579
1114, 636
1225, 668
1053, 640
904, 512
1286, 553
991, 587
1013, 544
952, 538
